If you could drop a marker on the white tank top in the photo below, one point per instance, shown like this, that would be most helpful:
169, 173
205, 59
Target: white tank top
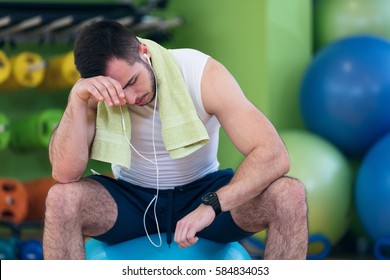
172, 172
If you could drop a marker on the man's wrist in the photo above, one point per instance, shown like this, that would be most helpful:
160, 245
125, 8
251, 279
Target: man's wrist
211, 199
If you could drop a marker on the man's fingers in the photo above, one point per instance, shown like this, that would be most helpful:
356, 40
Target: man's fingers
185, 237
105, 89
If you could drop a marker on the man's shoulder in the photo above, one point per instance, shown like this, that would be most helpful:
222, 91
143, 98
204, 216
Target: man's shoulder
188, 54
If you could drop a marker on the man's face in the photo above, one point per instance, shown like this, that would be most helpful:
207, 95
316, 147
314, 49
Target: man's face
137, 80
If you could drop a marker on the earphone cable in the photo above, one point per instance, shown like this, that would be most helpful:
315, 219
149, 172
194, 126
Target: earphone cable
155, 162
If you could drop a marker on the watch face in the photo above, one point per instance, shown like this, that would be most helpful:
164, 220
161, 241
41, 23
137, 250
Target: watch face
208, 198
211, 199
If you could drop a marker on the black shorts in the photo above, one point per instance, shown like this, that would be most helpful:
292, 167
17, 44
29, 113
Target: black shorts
172, 205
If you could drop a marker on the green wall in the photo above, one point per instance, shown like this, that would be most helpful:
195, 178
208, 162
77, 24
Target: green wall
288, 52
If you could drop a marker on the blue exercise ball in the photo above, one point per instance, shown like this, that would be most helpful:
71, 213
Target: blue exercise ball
372, 195
345, 93
141, 249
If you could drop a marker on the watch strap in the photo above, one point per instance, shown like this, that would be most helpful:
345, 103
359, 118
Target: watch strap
212, 200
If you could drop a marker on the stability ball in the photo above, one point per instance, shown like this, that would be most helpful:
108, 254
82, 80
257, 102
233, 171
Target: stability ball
345, 93
372, 195
141, 249
327, 177
336, 19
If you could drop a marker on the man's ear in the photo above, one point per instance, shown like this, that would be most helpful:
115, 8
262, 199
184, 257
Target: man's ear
144, 50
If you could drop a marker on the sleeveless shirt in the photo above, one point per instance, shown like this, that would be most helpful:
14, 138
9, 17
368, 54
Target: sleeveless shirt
172, 172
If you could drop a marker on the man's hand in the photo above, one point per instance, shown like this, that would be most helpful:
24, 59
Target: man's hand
186, 228
98, 89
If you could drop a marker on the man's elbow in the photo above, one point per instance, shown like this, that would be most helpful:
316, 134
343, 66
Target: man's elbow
284, 162
63, 178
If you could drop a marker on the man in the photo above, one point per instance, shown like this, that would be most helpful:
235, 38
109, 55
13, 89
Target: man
157, 188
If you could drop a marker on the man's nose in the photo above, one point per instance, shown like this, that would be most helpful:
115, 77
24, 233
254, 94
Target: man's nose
131, 97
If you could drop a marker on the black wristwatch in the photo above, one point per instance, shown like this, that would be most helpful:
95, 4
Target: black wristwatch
211, 199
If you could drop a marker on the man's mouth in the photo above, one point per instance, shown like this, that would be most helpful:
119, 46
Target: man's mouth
141, 101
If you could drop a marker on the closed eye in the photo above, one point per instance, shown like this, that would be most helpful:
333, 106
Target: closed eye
131, 81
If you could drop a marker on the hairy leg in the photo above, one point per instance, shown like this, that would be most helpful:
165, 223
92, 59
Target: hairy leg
281, 209
83, 207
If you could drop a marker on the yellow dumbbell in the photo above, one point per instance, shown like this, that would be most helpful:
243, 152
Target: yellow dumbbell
5, 67
60, 72
27, 70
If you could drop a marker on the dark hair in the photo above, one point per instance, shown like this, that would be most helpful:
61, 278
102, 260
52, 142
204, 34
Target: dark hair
101, 41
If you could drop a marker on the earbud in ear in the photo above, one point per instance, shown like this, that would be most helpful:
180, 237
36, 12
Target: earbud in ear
148, 59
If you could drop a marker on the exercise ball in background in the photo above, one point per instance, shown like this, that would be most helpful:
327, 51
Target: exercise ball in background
345, 93
327, 177
372, 195
336, 19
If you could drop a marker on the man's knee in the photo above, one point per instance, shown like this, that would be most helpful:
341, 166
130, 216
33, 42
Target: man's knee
296, 189
61, 200
291, 194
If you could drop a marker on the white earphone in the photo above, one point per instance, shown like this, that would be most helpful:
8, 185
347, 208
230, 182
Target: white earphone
154, 162
148, 59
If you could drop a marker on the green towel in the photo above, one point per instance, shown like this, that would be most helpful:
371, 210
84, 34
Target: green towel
182, 130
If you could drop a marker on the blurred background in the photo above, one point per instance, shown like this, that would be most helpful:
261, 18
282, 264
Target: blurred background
318, 69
